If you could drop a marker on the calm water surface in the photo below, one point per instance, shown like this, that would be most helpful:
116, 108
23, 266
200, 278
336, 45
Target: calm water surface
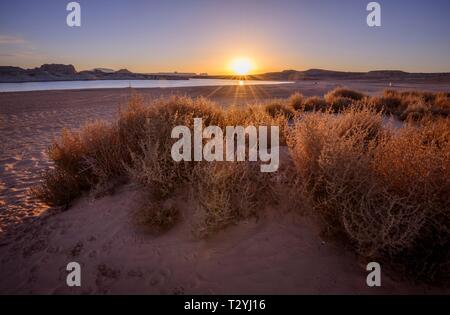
117, 84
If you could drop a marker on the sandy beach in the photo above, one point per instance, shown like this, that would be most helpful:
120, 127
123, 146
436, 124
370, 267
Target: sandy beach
30, 120
35, 245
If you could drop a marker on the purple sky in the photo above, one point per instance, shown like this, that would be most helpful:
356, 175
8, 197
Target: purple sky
205, 35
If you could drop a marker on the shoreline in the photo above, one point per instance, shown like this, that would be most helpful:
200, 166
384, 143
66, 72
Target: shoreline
313, 87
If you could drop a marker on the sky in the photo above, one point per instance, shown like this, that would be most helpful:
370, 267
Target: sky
206, 35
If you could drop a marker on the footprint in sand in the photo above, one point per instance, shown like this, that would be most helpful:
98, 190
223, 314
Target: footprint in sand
159, 277
106, 276
92, 254
76, 250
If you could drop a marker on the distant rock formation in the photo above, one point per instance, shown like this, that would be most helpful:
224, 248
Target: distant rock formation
60, 72
57, 69
320, 74
106, 70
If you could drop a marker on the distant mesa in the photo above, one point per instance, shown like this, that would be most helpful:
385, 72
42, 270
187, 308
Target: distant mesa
57, 69
61, 72
321, 74
123, 71
178, 74
105, 70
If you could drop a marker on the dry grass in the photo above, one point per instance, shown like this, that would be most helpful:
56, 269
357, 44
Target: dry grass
151, 161
314, 103
229, 192
412, 104
384, 191
345, 93
340, 99
296, 101
138, 146
90, 159
158, 216
279, 108
256, 115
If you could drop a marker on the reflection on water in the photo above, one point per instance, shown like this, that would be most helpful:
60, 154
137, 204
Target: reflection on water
116, 84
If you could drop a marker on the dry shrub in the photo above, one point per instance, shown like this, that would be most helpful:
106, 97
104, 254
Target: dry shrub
279, 108
339, 104
412, 104
415, 111
441, 105
316, 144
158, 216
58, 188
384, 191
130, 123
415, 165
229, 192
84, 160
340, 99
345, 93
152, 164
69, 176
296, 101
389, 104
442, 100
138, 144
314, 103
103, 153
256, 115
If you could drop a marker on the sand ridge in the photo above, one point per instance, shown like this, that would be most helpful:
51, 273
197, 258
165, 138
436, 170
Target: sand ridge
281, 252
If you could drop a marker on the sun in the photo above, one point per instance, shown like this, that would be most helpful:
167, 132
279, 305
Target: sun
241, 66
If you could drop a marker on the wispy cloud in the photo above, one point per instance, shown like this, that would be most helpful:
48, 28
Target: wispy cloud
8, 39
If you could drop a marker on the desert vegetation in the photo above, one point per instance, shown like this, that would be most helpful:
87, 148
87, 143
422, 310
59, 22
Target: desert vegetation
401, 105
382, 190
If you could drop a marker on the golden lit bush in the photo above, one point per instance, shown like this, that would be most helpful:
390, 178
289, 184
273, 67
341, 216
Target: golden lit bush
340, 99
384, 191
412, 104
415, 165
103, 153
296, 101
256, 115
86, 159
314, 103
152, 164
388, 104
58, 187
279, 107
345, 93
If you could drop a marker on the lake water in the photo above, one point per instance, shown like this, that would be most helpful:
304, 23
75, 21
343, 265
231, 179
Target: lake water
117, 84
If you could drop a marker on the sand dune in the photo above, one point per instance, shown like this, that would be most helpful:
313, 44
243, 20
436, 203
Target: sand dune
35, 246
285, 255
